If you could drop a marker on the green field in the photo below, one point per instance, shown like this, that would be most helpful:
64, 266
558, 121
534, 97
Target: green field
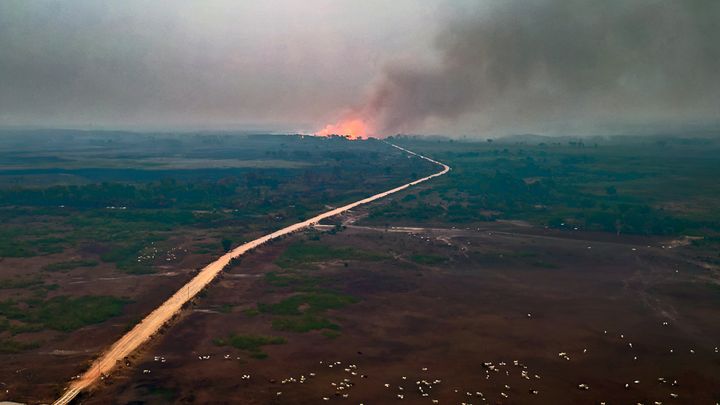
251, 344
631, 185
61, 313
301, 254
76, 205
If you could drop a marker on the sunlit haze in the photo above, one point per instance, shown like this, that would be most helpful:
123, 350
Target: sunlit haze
458, 68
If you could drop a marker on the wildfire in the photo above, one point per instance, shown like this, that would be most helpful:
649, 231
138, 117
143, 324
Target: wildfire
353, 129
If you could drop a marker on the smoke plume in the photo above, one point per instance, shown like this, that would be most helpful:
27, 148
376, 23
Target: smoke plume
555, 65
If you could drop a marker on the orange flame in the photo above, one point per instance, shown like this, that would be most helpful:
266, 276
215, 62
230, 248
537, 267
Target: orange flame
353, 129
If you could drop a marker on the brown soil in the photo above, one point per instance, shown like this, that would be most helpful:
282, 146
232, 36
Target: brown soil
40, 375
502, 297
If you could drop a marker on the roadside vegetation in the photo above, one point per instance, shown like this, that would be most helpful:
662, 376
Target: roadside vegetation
428, 259
118, 205
251, 344
69, 265
304, 253
61, 313
627, 185
10, 346
305, 312
308, 303
309, 296
75, 202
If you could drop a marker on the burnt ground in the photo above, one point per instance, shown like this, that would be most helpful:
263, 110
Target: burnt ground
39, 375
500, 310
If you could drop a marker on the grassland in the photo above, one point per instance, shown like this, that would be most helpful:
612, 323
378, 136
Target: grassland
303, 254
309, 302
69, 265
99, 227
305, 312
62, 313
428, 259
630, 185
251, 344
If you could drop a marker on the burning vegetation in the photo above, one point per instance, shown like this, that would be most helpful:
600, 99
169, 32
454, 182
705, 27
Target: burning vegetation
351, 128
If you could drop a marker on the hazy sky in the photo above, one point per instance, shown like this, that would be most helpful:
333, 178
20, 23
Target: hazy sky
455, 67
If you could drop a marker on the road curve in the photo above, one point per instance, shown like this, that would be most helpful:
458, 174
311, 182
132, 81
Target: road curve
144, 330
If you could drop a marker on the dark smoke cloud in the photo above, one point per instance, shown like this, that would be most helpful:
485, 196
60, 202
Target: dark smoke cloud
496, 67
562, 65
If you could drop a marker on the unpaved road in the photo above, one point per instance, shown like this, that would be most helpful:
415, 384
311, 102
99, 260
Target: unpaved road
144, 330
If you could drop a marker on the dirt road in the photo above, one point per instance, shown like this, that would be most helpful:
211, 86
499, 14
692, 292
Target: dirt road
144, 330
